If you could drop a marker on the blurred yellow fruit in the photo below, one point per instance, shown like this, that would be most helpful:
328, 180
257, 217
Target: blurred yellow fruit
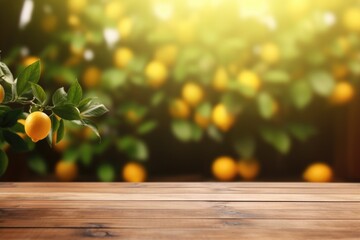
2, 93
220, 81
73, 20
224, 168
343, 93
76, 6
318, 172
156, 73
77, 50
66, 171
37, 126
222, 118
351, 19
122, 57
49, 23
132, 117
343, 44
179, 109
185, 30
248, 169
249, 79
192, 93
201, 120
114, 9
134, 172
29, 60
125, 26
270, 53
340, 71
91, 77
167, 54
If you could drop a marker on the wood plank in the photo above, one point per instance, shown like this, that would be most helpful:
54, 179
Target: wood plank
204, 190
279, 231
177, 197
157, 205
217, 185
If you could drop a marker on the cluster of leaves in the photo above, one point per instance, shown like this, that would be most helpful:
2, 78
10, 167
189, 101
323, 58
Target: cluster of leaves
25, 90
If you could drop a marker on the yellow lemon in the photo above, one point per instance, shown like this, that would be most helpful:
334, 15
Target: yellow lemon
2, 94
343, 93
122, 57
114, 9
249, 79
156, 73
76, 6
351, 19
91, 77
220, 81
201, 120
224, 168
248, 169
318, 172
167, 54
192, 93
125, 26
185, 30
134, 172
222, 118
179, 109
66, 171
37, 126
270, 53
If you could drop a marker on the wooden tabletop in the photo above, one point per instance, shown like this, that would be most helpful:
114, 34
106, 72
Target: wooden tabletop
179, 211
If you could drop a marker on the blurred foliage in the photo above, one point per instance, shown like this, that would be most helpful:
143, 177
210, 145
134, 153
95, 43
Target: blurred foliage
214, 65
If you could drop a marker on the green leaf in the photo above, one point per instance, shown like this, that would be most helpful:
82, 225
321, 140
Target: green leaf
60, 131
245, 146
301, 94
86, 151
197, 132
204, 109
182, 130
39, 93
302, 131
133, 147
266, 105
88, 123
54, 127
322, 83
74, 94
16, 142
113, 78
59, 97
146, 127
38, 165
4, 162
106, 173
157, 98
30, 74
67, 112
10, 117
6, 75
276, 76
214, 133
94, 109
83, 103
278, 138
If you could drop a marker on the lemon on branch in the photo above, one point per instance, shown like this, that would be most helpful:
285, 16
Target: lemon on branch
122, 57
156, 74
37, 126
134, 172
66, 171
222, 118
318, 172
224, 168
192, 93
179, 109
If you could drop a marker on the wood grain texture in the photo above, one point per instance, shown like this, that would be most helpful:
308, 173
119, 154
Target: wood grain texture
179, 211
